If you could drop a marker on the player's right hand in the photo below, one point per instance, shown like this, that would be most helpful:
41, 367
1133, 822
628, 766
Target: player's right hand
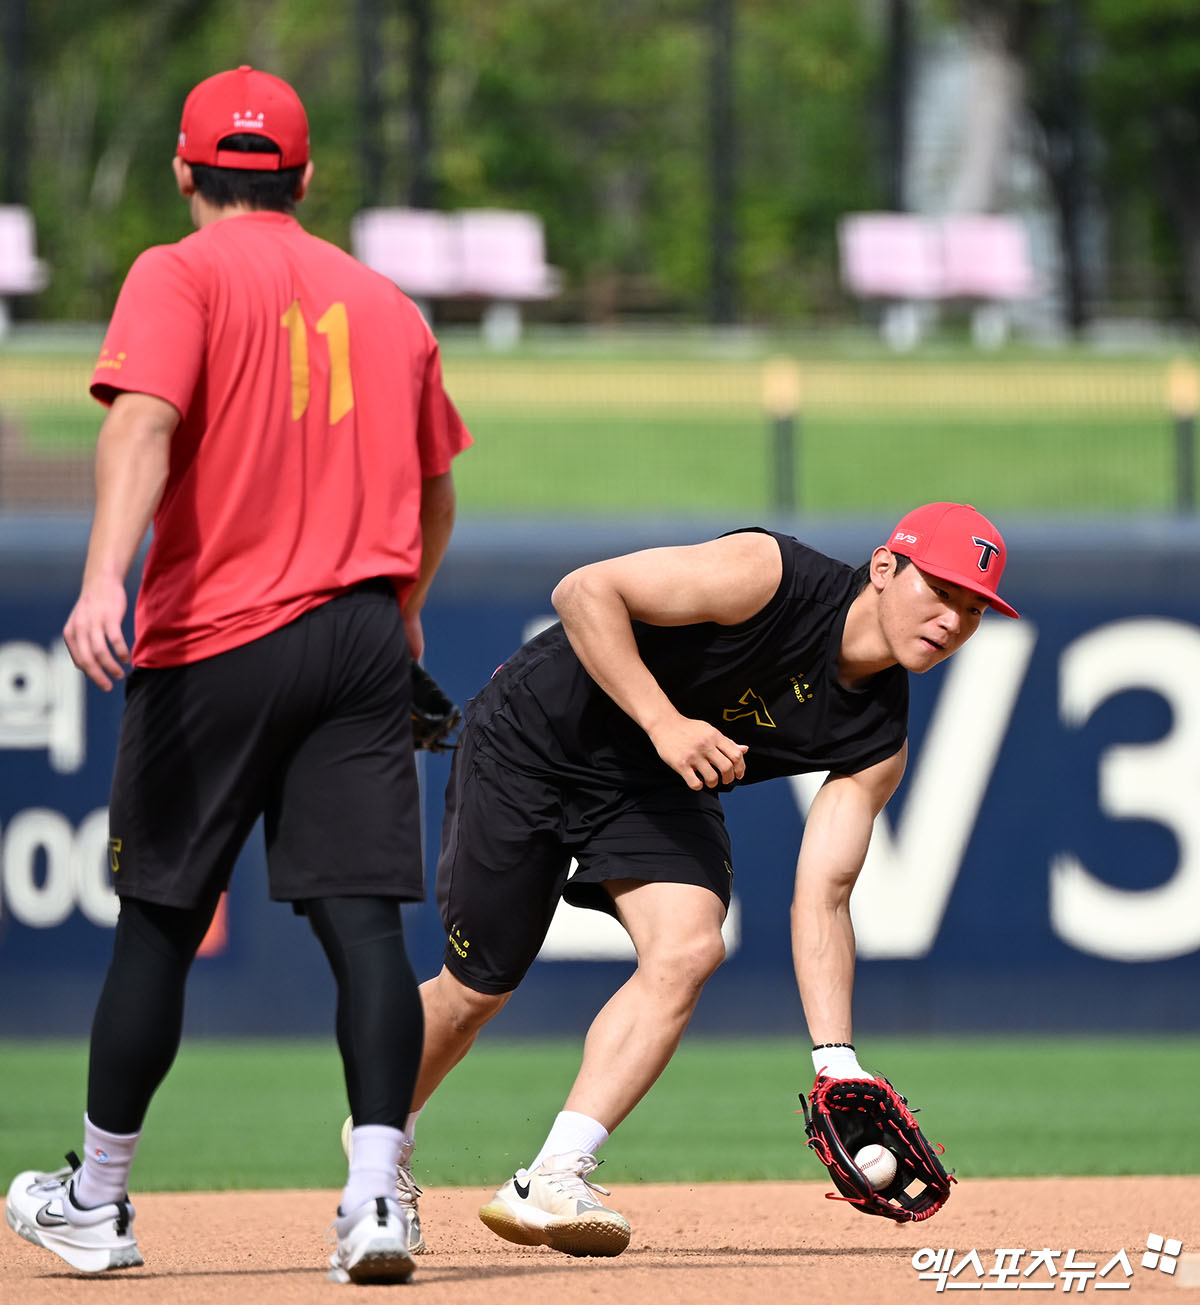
93, 631
700, 753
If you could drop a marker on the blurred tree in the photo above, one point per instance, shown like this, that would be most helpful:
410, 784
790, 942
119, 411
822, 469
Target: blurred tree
1114, 88
1053, 38
897, 90
722, 145
14, 103
1145, 86
422, 186
1034, 49
811, 148
593, 116
596, 117
100, 185
107, 86
368, 24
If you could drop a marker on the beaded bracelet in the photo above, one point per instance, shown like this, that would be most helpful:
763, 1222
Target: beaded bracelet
822, 1046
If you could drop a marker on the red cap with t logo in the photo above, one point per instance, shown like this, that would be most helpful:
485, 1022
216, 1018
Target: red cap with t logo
956, 543
243, 100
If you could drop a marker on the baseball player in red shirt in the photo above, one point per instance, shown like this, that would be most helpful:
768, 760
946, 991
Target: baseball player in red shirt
277, 410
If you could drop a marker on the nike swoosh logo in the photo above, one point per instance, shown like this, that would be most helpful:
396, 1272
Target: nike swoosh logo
522, 1192
45, 1219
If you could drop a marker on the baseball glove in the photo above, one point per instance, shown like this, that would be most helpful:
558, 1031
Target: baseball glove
842, 1116
434, 716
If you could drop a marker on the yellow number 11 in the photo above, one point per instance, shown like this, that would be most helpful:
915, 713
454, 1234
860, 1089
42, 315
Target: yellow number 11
334, 325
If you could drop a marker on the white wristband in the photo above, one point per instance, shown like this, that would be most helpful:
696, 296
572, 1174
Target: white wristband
838, 1062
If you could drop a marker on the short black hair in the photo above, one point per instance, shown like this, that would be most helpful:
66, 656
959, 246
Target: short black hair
862, 576
274, 189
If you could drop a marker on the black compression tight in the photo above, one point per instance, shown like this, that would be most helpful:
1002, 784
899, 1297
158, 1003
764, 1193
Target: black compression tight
380, 1022
139, 1017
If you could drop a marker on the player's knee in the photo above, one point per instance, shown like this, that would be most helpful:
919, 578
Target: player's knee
706, 955
474, 1009
689, 962
465, 1010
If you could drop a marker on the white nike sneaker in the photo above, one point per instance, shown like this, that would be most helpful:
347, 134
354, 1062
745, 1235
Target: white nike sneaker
372, 1244
42, 1209
407, 1190
555, 1205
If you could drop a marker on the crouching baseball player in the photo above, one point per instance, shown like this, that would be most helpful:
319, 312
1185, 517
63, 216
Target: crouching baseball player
675, 674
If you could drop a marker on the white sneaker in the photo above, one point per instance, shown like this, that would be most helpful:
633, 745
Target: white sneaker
372, 1244
407, 1190
554, 1205
42, 1209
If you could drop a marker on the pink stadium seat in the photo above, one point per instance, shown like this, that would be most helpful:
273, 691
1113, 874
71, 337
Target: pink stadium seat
985, 257
962, 256
504, 256
890, 256
911, 264
416, 248
489, 254
21, 271
486, 253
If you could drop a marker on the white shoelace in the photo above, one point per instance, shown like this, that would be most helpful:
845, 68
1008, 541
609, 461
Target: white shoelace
575, 1180
407, 1190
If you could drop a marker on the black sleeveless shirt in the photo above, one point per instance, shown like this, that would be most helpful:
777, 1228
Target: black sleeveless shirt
770, 682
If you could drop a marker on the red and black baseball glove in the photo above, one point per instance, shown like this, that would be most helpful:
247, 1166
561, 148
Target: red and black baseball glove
842, 1115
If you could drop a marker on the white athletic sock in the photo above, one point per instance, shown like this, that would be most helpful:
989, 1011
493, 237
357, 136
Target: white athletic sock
107, 1160
375, 1152
572, 1131
410, 1124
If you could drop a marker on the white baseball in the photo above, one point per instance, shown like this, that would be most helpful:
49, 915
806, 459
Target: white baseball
878, 1165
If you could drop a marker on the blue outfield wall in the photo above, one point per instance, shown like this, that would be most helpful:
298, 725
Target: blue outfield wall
1038, 870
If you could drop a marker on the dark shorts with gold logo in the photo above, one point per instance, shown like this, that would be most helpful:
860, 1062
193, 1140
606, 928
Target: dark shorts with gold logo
508, 840
308, 727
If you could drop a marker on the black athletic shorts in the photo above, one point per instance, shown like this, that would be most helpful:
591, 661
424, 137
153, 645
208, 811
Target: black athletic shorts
507, 842
310, 727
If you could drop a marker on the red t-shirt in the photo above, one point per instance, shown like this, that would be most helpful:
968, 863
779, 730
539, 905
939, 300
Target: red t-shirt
312, 403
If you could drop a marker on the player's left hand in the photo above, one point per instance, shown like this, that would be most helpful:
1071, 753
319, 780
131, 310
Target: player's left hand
93, 631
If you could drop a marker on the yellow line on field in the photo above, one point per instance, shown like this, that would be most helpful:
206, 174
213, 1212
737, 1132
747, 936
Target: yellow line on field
968, 387
828, 386
45, 380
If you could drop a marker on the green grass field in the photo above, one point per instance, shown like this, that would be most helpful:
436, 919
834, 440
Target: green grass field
268, 1114
587, 429
572, 463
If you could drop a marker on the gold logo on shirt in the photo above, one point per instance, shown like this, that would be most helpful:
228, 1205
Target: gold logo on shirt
801, 689
112, 363
114, 854
750, 704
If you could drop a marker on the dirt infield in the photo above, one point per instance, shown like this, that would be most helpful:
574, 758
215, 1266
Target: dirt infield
733, 1243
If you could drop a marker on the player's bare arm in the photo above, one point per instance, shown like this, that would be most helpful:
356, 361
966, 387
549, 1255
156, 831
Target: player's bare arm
132, 457
836, 836
725, 580
438, 504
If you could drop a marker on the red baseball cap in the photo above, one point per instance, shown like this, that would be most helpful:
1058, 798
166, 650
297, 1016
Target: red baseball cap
955, 542
243, 100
